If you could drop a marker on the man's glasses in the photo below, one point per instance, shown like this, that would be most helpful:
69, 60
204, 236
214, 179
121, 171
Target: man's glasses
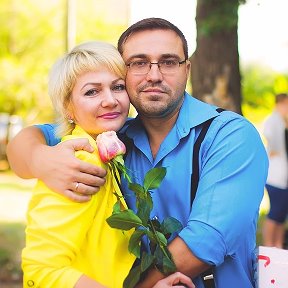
142, 67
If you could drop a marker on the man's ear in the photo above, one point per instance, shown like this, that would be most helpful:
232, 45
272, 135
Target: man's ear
188, 68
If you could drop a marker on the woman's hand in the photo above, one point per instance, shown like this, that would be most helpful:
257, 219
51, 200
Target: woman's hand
175, 280
30, 157
62, 172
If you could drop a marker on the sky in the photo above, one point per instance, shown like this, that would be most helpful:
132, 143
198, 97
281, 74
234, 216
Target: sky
262, 27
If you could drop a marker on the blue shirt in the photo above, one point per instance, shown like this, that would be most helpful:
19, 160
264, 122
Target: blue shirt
220, 229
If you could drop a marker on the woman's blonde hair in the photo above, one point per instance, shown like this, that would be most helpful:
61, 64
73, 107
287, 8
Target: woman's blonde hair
86, 57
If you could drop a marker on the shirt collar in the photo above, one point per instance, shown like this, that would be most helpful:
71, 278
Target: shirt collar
192, 113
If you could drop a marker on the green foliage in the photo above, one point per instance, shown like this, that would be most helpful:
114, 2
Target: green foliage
226, 10
23, 85
11, 243
32, 37
158, 233
259, 86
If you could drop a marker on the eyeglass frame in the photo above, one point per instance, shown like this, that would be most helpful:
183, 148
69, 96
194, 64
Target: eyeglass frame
156, 63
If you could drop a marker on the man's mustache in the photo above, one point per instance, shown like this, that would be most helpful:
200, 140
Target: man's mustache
156, 85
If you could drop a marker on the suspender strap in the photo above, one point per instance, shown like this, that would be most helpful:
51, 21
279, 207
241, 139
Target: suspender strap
195, 163
207, 276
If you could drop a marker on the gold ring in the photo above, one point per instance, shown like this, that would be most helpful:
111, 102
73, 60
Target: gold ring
76, 187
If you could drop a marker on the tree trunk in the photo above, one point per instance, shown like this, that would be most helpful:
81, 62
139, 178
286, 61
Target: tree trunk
215, 72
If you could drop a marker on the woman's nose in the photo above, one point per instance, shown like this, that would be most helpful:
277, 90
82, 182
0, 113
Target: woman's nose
109, 99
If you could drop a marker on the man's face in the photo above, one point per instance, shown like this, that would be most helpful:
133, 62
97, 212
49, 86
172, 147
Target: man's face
156, 94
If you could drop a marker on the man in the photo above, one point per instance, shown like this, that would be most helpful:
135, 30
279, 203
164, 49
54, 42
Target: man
275, 132
219, 228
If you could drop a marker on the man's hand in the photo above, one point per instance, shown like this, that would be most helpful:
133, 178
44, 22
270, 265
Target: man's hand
62, 172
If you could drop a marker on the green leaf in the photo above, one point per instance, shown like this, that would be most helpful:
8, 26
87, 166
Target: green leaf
118, 159
149, 201
159, 256
161, 237
117, 207
170, 225
138, 189
146, 261
135, 242
151, 236
144, 210
168, 265
124, 220
154, 177
132, 278
164, 260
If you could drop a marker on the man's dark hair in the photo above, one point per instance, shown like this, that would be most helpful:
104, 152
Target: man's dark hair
152, 24
281, 97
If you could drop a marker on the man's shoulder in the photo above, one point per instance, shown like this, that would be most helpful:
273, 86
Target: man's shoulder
229, 126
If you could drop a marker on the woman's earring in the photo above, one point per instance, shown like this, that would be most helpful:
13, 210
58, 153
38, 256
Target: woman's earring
70, 121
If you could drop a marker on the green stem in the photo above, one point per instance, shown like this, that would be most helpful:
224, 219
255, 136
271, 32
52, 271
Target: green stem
158, 240
122, 168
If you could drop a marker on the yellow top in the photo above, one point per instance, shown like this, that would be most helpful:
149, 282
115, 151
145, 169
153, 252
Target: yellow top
65, 239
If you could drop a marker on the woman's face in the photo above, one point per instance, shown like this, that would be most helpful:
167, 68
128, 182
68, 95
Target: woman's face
99, 102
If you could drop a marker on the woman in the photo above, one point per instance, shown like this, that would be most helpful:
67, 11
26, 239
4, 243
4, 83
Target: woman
70, 244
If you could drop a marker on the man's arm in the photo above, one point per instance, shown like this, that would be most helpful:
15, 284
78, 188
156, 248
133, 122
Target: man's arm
30, 157
232, 181
175, 280
185, 261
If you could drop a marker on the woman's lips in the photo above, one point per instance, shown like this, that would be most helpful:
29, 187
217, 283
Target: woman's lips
111, 115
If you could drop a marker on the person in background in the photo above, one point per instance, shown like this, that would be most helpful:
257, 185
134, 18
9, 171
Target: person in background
275, 132
70, 244
220, 225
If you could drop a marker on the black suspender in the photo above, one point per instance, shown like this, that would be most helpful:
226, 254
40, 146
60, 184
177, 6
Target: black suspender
195, 162
207, 276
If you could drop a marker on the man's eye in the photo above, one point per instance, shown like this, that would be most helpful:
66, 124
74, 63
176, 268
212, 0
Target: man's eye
91, 92
119, 87
169, 63
139, 63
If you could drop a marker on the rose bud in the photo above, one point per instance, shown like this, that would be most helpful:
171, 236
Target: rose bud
109, 146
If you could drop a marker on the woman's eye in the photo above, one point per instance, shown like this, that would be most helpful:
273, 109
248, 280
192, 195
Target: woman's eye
91, 92
119, 87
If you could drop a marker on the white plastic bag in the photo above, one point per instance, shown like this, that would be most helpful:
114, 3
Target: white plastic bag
272, 268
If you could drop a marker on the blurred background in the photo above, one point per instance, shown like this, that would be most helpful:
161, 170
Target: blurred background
239, 61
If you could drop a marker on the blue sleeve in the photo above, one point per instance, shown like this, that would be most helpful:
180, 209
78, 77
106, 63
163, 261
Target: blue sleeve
225, 210
48, 131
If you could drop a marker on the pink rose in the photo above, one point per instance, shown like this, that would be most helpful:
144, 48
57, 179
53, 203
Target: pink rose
109, 146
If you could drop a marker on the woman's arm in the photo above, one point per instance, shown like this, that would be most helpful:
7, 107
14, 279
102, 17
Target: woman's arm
30, 157
20, 151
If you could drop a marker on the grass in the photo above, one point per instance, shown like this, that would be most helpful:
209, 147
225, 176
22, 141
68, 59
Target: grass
14, 196
11, 244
